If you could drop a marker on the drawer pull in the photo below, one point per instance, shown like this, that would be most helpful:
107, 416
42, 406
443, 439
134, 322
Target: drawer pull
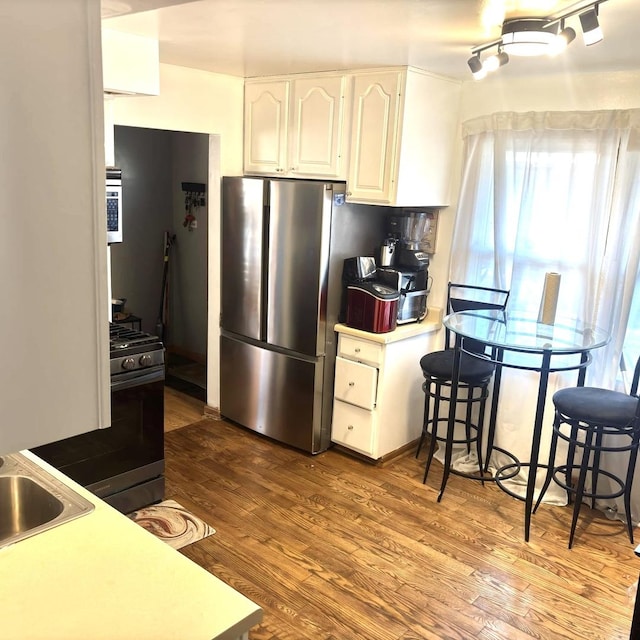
351, 384
357, 349
350, 427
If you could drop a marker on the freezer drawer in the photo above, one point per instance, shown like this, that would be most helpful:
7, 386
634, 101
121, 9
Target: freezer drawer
272, 393
353, 427
355, 383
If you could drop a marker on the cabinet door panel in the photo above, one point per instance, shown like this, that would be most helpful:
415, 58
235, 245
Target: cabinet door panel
374, 136
266, 113
356, 383
316, 127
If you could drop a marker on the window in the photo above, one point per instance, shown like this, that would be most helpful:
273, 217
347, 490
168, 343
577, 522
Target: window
557, 192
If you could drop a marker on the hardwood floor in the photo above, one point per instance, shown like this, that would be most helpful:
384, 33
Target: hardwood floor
180, 409
334, 548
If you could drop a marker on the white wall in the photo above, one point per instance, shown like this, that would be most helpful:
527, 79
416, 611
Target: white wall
195, 101
198, 102
53, 281
577, 92
560, 92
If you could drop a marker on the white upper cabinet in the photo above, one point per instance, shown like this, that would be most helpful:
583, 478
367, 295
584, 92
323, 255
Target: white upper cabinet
376, 98
390, 133
266, 117
54, 382
295, 127
404, 123
317, 127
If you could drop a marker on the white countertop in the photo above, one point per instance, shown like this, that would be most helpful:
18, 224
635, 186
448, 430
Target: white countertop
430, 324
102, 576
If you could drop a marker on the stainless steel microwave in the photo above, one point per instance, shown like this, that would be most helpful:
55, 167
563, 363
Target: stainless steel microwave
114, 205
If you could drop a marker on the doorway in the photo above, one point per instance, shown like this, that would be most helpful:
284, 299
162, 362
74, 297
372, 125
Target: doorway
165, 195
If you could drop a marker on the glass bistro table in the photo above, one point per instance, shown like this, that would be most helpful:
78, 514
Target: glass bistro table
518, 341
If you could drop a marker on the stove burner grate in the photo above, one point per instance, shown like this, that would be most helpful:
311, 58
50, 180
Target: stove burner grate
121, 338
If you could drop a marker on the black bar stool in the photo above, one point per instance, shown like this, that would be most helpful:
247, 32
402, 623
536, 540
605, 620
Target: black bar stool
599, 421
474, 377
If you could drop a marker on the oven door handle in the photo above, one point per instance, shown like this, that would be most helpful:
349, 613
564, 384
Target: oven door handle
135, 379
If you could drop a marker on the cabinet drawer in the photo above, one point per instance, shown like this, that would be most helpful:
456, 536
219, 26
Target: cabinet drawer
355, 383
352, 427
360, 350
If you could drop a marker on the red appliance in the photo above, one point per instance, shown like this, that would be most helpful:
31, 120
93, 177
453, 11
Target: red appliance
372, 307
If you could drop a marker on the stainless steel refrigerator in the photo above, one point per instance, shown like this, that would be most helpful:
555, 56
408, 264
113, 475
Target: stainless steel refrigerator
283, 246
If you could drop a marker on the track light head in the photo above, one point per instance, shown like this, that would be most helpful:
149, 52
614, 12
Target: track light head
496, 61
562, 40
476, 66
591, 31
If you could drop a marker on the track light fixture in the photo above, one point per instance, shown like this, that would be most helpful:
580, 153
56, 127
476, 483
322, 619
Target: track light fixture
536, 36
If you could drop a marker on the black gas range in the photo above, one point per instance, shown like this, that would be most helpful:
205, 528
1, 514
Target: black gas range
131, 350
123, 464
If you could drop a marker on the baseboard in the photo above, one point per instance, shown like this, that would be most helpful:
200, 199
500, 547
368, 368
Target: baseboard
212, 412
200, 358
380, 462
184, 386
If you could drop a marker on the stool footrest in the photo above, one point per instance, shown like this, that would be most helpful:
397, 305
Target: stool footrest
562, 470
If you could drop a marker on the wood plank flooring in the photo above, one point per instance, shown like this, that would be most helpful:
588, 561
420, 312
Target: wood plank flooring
180, 409
334, 548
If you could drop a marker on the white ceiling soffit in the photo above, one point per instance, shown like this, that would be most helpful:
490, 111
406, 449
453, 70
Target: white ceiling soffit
113, 8
268, 37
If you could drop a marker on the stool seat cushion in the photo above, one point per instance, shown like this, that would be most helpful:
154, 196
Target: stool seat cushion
439, 364
596, 406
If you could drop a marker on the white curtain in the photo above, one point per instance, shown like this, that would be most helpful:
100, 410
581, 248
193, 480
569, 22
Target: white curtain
554, 191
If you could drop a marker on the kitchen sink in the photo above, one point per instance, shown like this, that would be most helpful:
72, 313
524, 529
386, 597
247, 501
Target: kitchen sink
33, 501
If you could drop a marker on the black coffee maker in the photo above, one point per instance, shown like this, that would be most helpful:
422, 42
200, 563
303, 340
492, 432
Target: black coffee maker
409, 272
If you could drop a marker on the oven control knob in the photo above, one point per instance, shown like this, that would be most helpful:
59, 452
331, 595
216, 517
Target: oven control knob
146, 360
129, 363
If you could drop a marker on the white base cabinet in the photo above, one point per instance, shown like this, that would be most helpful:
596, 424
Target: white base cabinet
378, 399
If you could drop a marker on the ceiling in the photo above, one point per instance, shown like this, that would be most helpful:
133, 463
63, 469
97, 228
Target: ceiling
269, 37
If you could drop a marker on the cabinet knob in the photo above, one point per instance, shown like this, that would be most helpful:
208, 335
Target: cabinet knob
350, 427
351, 384
357, 349
293, 169
348, 194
